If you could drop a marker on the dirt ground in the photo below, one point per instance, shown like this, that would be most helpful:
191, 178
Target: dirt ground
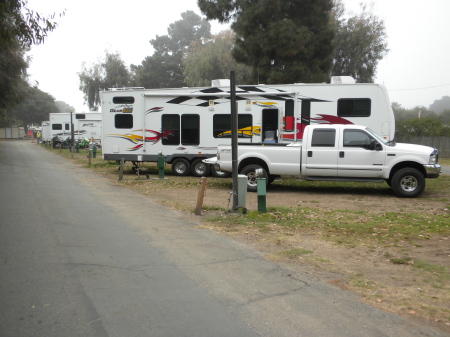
365, 270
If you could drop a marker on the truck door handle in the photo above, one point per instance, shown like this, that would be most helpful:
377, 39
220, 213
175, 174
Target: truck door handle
341, 154
309, 153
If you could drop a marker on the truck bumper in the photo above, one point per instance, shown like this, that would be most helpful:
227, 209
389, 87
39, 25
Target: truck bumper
432, 171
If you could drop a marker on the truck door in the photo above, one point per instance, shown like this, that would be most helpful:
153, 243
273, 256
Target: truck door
356, 156
321, 157
269, 126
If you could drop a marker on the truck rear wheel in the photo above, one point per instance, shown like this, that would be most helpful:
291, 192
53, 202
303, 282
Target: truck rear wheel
200, 169
181, 167
250, 172
408, 183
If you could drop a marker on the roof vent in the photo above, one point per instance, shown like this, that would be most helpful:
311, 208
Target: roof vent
342, 80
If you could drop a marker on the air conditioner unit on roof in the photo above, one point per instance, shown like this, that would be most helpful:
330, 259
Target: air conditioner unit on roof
224, 82
342, 80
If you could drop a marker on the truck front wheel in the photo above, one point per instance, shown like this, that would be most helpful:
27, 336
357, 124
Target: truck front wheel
408, 183
250, 172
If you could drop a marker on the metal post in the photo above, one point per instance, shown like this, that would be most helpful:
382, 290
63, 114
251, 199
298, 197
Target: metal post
71, 134
234, 140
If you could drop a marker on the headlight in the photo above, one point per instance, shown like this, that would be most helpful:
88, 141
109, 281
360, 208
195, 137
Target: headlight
434, 157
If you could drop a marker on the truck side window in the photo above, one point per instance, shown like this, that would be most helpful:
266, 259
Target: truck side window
356, 138
170, 128
354, 107
123, 121
323, 138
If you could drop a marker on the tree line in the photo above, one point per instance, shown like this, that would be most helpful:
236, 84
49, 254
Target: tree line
420, 121
269, 41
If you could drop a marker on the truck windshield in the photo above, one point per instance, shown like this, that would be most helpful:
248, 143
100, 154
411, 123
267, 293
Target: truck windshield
378, 137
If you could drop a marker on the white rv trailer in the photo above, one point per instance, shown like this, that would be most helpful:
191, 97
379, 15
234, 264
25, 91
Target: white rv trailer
46, 133
187, 124
85, 125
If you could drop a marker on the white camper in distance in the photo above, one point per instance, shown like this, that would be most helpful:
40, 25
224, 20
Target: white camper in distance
85, 125
186, 125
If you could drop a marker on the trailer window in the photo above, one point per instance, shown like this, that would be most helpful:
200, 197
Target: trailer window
190, 129
123, 100
222, 126
80, 116
123, 121
56, 126
323, 138
170, 128
354, 107
67, 126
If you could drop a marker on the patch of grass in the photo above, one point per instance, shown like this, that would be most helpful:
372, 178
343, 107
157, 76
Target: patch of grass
350, 227
403, 260
444, 161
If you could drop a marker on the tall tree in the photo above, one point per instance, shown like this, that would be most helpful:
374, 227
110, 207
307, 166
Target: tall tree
64, 107
165, 68
441, 105
360, 43
213, 60
284, 41
20, 27
35, 108
111, 72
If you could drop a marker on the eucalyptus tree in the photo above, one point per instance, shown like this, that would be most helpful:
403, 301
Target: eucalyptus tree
284, 41
20, 27
165, 67
360, 43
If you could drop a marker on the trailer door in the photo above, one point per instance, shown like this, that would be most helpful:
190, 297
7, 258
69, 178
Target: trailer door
270, 125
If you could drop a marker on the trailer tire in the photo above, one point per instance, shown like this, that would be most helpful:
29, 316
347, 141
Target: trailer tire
250, 172
200, 169
219, 174
181, 167
408, 182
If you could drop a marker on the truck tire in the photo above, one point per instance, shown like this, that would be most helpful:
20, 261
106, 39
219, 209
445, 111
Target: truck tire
249, 171
408, 183
219, 174
199, 168
181, 167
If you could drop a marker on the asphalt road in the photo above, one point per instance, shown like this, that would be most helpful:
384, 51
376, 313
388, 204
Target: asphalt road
80, 256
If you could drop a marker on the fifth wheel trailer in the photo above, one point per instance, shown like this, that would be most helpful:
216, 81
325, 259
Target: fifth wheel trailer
186, 125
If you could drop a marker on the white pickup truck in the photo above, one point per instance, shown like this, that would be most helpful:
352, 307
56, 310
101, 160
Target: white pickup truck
336, 153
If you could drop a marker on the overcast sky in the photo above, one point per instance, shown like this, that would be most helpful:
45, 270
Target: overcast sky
416, 71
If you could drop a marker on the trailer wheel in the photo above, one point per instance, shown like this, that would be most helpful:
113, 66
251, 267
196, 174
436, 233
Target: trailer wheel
181, 167
249, 171
408, 183
200, 169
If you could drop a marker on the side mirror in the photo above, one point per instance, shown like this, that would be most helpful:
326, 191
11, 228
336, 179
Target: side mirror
374, 145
